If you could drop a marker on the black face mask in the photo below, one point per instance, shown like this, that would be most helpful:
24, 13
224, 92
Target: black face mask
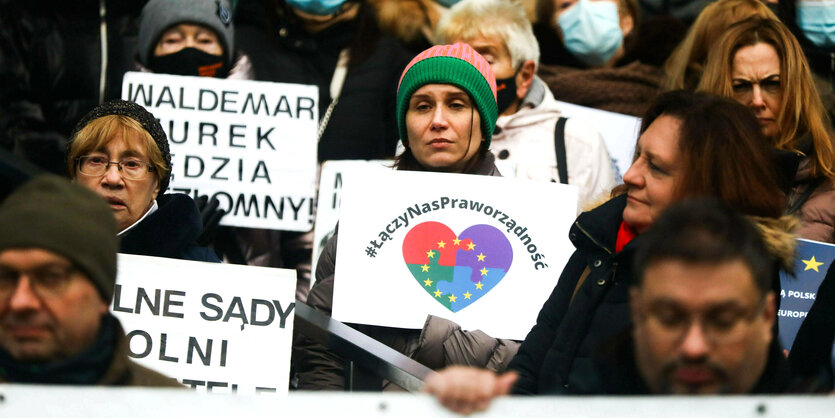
505, 92
190, 61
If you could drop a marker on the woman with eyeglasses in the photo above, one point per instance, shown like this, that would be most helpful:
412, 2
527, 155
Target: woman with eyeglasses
120, 151
759, 63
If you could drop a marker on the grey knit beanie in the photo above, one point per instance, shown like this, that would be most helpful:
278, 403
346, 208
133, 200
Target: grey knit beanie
52, 214
159, 15
139, 114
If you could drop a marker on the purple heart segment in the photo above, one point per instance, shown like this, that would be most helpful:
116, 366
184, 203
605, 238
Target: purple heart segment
457, 270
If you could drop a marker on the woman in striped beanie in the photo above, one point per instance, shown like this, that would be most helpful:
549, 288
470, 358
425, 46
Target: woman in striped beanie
446, 111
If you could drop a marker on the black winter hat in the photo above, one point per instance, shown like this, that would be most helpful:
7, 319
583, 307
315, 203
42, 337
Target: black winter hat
139, 114
50, 213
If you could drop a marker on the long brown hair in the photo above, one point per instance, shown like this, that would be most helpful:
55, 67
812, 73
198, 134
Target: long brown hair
723, 152
801, 110
684, 67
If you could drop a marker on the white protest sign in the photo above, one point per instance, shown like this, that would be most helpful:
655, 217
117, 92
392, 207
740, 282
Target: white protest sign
214, 327
482, 251
619, 132
327, 204
250, 144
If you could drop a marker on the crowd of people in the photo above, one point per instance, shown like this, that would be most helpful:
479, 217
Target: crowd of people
673, 285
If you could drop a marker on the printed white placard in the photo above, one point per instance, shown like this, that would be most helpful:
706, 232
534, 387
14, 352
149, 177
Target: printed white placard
214, 327
250, 144
485, 252
619, 132
327, 204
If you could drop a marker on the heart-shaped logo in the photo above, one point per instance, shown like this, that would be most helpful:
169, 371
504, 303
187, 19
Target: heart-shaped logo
456, 270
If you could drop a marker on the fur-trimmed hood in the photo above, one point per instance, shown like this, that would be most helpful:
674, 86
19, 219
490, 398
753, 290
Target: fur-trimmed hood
408, 20
779, 234
779, 237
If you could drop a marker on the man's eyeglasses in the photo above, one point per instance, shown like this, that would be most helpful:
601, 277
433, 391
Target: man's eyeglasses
48, 280
129, 168
722, 326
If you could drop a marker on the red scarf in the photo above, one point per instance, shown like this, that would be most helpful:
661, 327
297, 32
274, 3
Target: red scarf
625, 235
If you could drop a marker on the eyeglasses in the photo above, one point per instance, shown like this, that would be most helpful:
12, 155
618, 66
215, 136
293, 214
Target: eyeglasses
129, 168
723, 326
46, 281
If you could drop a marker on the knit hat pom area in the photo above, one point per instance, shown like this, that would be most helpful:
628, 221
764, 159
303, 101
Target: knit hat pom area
50, 213
459, 65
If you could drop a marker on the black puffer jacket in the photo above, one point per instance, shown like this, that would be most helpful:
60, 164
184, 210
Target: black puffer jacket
51, 66
556, 356
170, 232
362, 125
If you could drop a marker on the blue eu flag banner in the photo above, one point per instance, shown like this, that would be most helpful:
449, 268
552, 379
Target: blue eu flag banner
798, 293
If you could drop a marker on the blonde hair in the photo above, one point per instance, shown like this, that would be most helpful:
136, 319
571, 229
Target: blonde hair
685, 65
801, 110
500, 19
96, 134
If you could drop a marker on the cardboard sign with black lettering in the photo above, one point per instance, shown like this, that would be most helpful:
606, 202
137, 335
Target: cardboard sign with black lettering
482, 251
327, 206
797, 293
214, 327
250, 144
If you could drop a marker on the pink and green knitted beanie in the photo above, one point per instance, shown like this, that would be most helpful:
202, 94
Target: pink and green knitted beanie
460, 65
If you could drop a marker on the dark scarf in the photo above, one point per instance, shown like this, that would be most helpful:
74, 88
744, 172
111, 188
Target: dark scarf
168, 232
86, 368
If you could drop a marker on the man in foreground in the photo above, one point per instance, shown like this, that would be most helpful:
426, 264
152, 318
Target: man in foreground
58, 249
703, 310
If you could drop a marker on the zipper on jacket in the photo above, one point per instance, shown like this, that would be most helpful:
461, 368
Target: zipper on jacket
596, 242
103, 35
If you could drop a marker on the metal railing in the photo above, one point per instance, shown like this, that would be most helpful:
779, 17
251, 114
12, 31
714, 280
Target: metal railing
369, 361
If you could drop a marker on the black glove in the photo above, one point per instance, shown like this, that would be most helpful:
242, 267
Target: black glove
211, 216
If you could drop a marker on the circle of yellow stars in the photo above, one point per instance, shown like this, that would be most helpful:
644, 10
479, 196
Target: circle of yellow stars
455, 242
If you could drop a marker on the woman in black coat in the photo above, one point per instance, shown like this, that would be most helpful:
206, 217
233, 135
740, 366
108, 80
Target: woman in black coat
684, 150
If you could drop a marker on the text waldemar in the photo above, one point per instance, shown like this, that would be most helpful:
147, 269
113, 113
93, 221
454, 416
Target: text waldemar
235, 143
209, 351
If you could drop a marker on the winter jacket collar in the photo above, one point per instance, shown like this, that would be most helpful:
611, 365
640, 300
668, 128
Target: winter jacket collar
536, 107
596, 230
168, 232
85, 368
487, 167
293, 36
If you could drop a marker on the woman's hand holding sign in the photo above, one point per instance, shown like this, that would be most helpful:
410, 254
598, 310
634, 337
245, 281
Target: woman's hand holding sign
467, 389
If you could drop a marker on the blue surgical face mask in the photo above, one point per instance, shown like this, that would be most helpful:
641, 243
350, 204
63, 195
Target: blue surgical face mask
447, 3
591, 31
317, 7
817, 21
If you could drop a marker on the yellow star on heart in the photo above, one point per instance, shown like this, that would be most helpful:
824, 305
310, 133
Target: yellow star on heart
424, 268
484, 271
812, 264
441, 244
470, 246
481, 257
430, 254
467, 295
456, 241
479, 285
452, 298
438, 293
427, 282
